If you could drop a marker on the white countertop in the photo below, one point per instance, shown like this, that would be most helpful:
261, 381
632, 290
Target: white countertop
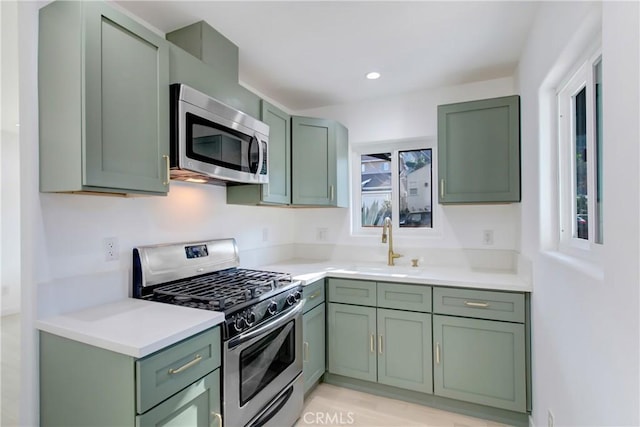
309, 271
131, 326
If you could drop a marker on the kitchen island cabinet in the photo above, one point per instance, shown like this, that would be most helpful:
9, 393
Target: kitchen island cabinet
103, 84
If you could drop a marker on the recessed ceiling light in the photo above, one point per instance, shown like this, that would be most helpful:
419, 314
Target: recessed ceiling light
373, 75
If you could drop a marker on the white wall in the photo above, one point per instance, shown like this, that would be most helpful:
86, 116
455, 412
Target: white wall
585, 319
9, 165
406, 117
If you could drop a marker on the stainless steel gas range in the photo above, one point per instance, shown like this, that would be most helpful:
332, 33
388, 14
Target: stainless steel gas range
262, 333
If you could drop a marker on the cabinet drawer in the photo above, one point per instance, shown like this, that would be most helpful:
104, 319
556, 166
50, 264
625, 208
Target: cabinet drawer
506, 306
404, 297
358, 292
314, 294
170, 370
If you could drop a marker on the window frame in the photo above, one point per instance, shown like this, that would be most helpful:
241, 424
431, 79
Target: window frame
393, 147
582, 77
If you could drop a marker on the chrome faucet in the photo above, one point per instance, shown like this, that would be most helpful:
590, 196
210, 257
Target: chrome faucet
391, 255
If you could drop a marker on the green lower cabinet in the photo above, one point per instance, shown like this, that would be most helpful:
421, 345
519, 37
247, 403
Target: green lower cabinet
313, 336
390, 347
197, 405
480, 361
404, 350
352, 347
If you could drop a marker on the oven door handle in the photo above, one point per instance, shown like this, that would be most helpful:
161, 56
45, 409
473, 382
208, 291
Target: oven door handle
268, 327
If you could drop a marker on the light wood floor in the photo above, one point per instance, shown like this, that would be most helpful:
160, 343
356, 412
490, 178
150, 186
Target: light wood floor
329, 405
10, 373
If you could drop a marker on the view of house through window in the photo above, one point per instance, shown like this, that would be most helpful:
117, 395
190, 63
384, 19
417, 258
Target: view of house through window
413, 197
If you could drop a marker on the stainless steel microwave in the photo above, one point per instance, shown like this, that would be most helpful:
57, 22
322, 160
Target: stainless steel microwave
214, 143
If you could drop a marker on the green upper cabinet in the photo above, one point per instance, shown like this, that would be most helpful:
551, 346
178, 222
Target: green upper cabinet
103, 82
320, 162
308, 163
479, 151
278, 190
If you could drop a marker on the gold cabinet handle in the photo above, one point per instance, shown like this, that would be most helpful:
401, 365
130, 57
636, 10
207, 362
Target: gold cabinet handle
186, 366
442, 188
331, 193
216, 417
372, 343
476, 304
314, 295
166, 160
380, 344
305, 351
437, 353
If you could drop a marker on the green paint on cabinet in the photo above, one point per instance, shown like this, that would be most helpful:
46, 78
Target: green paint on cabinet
103, 85
320, 162
479, 151
82, 385
480, 361
278, 190
313, 332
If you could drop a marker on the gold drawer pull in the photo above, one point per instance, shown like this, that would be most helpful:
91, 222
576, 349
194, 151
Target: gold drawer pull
437, 353
167, 162
186, 366
316, 294
476, 304
372, 343
380, 344
305, 351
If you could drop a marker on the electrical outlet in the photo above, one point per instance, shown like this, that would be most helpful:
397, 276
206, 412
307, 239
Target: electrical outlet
110, 247
321, 234
487, 237
265, 234
549, 418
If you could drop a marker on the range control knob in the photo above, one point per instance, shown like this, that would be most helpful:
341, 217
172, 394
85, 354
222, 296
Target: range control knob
291, 299
272, 308
251, 318
297, 295
239, 324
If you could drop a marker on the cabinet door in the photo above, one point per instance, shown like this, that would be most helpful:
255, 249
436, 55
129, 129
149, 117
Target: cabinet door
126, 103
352, 347
480, 361
404, 350
313, 350
314, 157
279, 157
479, 151
197, 405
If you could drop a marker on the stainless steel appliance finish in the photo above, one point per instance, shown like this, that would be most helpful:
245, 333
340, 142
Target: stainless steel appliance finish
215, 143
262, 333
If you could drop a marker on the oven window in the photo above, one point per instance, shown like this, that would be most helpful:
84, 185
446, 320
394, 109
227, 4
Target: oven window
213, 143
265, 360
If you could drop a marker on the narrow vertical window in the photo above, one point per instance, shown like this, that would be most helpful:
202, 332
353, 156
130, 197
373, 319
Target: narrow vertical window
580, 143
581, 174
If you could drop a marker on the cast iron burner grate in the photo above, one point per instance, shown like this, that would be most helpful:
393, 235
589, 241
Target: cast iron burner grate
222, 289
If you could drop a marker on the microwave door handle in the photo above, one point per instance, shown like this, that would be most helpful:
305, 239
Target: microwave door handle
260, 155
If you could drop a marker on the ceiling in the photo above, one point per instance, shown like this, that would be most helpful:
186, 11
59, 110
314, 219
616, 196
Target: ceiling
307, 54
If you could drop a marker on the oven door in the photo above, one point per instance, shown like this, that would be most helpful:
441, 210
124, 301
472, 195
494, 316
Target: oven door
259, 366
